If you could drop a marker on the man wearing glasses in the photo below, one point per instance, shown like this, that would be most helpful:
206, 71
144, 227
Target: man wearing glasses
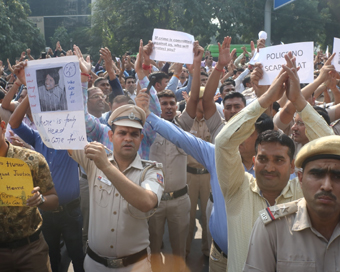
96, 102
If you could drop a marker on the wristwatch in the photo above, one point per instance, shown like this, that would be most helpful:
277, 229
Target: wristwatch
42, 200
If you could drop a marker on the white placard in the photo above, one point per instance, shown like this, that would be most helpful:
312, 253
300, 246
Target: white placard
172, 46
56, 100
273, 57
263, 35
336, 49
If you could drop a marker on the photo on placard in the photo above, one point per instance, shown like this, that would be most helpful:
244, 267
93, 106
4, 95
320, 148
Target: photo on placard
51, 88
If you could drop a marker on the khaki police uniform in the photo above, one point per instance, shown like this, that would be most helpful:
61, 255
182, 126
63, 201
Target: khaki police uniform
175, 205
283, 239
242, 195
116, 229
198, 179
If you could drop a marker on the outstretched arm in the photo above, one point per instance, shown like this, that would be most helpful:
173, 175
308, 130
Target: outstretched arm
224, 58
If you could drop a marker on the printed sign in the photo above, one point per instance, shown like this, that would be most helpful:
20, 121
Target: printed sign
56, 100
16, 182
172, 46
336, 49
273, 57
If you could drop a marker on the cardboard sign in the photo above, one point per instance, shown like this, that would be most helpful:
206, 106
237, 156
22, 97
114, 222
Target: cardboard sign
336, 49
273, 57
16, 182
172, 46
56, 100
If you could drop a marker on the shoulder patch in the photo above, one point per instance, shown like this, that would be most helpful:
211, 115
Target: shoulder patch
160, 179
276, 212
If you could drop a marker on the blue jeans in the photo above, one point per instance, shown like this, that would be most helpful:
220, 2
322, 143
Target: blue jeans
68, 223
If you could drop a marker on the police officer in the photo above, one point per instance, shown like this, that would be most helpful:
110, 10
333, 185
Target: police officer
123, 190
307, 236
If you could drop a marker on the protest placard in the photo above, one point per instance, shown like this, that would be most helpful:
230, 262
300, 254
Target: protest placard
56, 101
172, 46
273, 57
16, 182
336, 49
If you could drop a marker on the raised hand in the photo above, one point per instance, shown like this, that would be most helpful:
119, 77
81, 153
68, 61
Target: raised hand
261, 43
327, 71
293, 91
224, 52
198, 52
84, 66
105, 54
96, 151
147, 50
19, 71
142, 100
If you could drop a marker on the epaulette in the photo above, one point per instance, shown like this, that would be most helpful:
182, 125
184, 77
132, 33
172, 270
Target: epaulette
336, 127
275, 212
153, 163
335, 123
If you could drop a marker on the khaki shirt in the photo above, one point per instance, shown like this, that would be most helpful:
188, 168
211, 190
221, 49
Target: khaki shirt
6, 114
17, 222
286, 128
215, 124
113, 232
200, 130
174, 159
290, 243
241, 193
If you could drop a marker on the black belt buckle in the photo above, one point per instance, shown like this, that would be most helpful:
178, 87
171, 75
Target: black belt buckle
115, 263
168, 196
201, 171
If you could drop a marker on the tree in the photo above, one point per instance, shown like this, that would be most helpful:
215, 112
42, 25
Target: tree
120, 26
298, 21
61, 35
331, 29
17, 33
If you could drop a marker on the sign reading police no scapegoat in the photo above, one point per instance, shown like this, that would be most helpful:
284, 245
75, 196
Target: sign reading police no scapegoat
272, 59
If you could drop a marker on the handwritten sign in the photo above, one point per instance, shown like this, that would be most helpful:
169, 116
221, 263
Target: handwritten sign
173, 46
56, 100
16, 182
273, 57
336, 49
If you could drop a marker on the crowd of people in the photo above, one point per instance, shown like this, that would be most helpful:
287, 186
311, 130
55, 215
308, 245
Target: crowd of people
262, 163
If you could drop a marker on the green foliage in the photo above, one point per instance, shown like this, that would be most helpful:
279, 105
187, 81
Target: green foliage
61, 35
17, 33
120, 26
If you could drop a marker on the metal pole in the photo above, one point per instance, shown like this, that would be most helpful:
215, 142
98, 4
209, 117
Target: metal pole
267, 20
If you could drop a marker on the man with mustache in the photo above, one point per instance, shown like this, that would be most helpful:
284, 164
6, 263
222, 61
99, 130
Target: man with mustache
273, 162
307, 236
124, 189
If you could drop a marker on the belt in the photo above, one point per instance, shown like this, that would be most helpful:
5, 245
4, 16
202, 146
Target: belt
219, 250
68, 206
22, 242
175, 194
197, 171
119, 262
84, 176
211, 197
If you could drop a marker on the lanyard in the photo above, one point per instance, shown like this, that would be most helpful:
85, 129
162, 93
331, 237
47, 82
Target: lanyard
268, 205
